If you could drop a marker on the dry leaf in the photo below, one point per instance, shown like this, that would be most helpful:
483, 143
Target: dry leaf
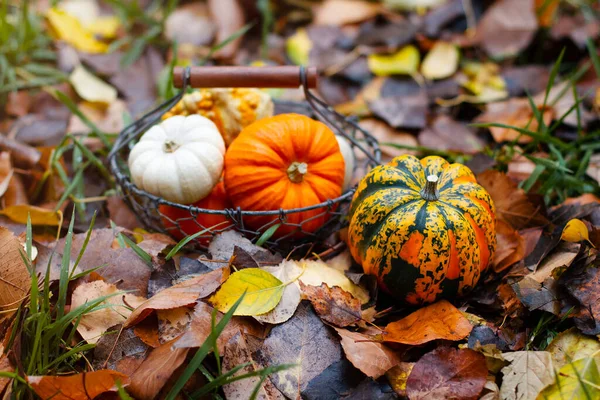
441, 62
92, 325
398, 376
91, 88
447, 373
183, 294
229, 17
68, 28
38, 215
190, 23
373, 359
405, 62
440, 320
14, 276
286, 272
5, 366
333, 305
6, 172
108, 119
510, 246
577, 380
575, 231
343, 12
572, 345
512, 204
528, 373
156, 370
84, 386
447, 134
385, 134
318, 272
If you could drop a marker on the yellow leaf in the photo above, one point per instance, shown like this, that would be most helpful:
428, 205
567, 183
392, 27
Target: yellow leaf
441, 62
263, 292
106, 26
577, 380
38, 215
68, 28
91, 88
406, 61
575, 231
298, 47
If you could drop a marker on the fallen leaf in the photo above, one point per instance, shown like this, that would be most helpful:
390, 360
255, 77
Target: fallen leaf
483, 81
571, 345
172, 323
526, 375
333, 305
406, 111
373, 359
441, 62
447, 373
440, 320
398, 376
183, 294
15, 279
223, 245
579, 379
287, 271
388, 136
190, 24
147, 381
313, 349
122, 352
491, 391
448, 134
405, 62
6, 172
38, 215
413, 4
298, 47
262, 291
581, 283
228, 15
512, 204
108, 119
318, 272
68, 28
383, 32
5, 366
507, 27
575, 231
86, 385
510, 247
91, 88
343, 12
92, 325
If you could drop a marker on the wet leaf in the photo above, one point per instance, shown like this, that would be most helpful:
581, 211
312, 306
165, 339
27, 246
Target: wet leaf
577, 380
404, 62
343, 12
441, 61
571, 345
575, 231
263, 292
373, 359
528, 373
183, 294
333, 305
448, 373
440, 320
313, 349
68, 28
14, 276
86, 385
93, 325
38, 215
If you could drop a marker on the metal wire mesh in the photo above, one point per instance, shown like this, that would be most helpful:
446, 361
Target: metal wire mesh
329, 216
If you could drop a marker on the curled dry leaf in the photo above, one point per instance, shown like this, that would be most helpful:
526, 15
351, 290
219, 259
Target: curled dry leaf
155, 371
92, 325
84, 386
183, 294
440, 320
512, 204
14, 277
373, 359
333, 305
528, 373
447, 373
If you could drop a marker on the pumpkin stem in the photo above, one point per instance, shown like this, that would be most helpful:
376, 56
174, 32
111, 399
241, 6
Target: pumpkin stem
296, 171
430, 192
170, 146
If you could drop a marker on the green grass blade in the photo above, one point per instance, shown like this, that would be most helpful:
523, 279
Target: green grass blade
141, 253
267, 235
63, 284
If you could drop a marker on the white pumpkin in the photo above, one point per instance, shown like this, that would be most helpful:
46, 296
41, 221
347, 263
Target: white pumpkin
180, 159
348, 154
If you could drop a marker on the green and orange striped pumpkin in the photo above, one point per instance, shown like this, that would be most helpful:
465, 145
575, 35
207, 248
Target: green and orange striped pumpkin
425, 228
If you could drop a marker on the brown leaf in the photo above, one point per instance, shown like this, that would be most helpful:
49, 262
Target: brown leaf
398, 376
190, 23
122, 351
510, 247
333, 305
305, 341
527, 374
92, 325
172, 323
343, 12
5, 366
14, 277
18, 105
447, 373
15, 194
512, 204
86, 385
183, 294
440, 320
507, 27
121, 214
229, 17
583, 284
155, 371
373, 359
6, 172
23, 156
447, 134
107, 119
385, 134
407, 111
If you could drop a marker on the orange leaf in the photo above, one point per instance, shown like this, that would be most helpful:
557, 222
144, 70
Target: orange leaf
440, 320
510, 247
183, 294
87, 385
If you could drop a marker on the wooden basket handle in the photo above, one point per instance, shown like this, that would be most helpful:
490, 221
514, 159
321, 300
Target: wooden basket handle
286, 76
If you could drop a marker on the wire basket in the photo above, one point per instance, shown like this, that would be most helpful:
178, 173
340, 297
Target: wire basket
333, 211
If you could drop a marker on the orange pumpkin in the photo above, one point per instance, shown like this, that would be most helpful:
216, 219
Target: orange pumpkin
284, 162
188, 225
